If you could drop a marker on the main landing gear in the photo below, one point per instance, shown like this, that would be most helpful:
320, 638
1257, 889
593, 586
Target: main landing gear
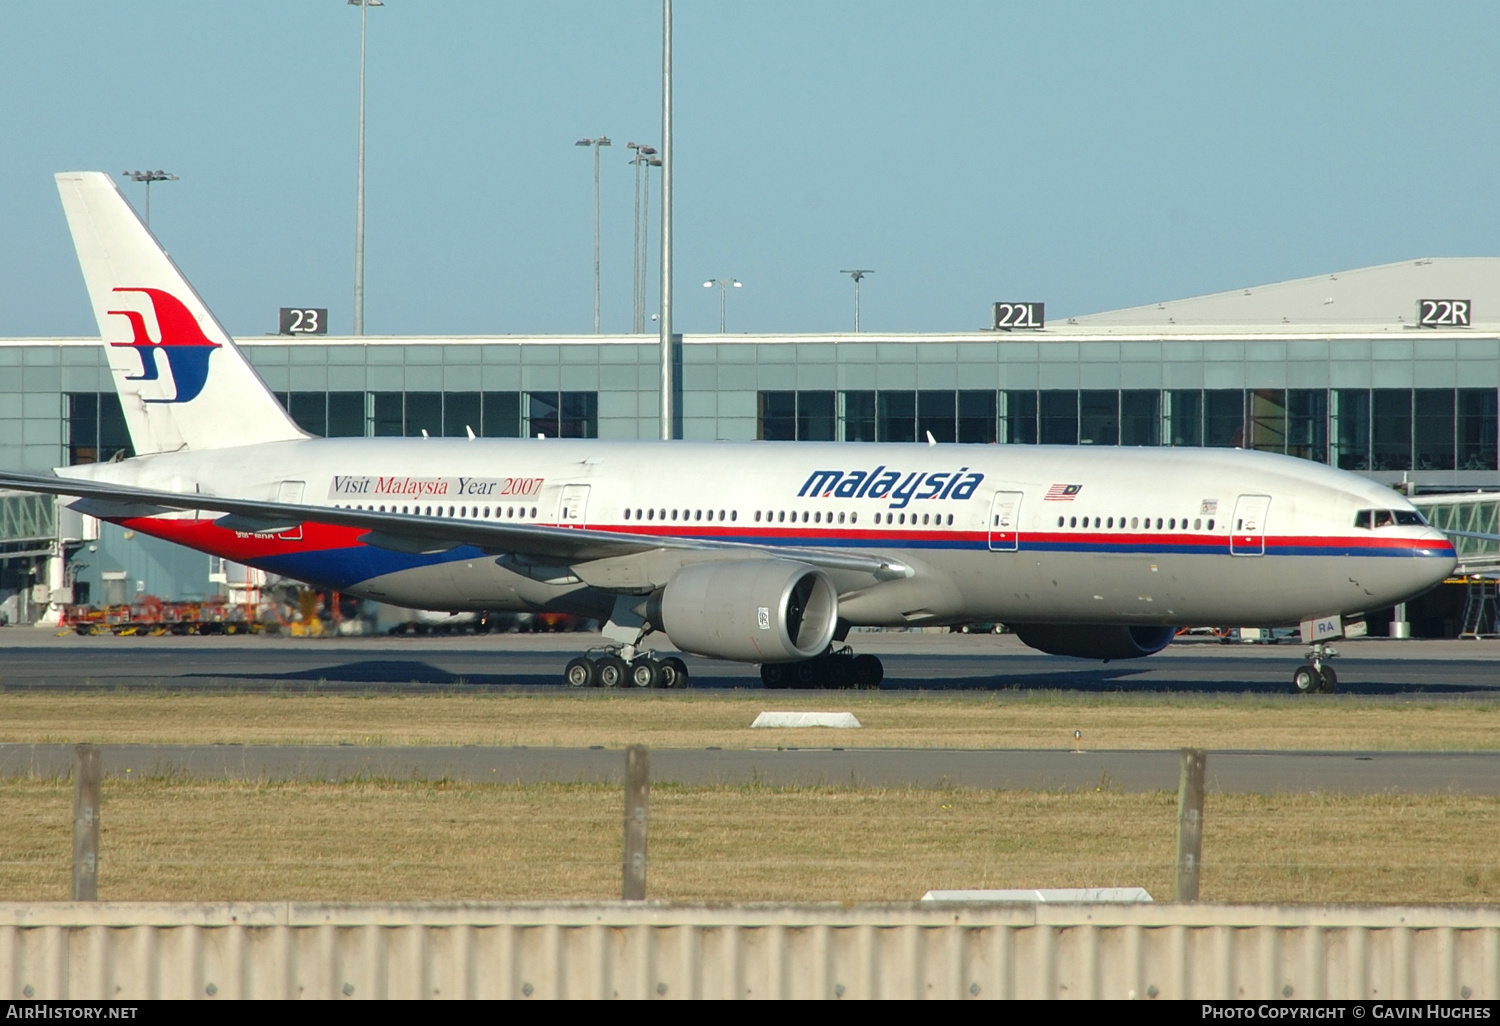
1317, 675
625, 666
836, 668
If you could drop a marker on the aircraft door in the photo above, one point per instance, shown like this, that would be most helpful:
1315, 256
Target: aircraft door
1248, 531
573, 508
291, 492
1005, 522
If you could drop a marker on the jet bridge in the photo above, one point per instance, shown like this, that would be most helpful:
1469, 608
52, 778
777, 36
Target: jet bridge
1478, 558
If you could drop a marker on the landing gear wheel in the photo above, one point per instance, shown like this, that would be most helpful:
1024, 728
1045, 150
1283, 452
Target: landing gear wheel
1306, 681
838, 671
774, 675
611, 671
645, 672
869, 671
808, 673
579, 673
674, 673
1330, 681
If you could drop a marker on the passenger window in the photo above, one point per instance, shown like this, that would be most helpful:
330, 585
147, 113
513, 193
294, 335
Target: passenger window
1172, 524
1198, 525
950, 519
1072, 521
1096, 521
757, 516
781, 516
1059, 521
734, 515
804, 516
841, 518
877, 518
627, 514
924, 518
853, 518
1110, 522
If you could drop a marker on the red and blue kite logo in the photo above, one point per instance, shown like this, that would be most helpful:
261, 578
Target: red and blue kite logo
183, 343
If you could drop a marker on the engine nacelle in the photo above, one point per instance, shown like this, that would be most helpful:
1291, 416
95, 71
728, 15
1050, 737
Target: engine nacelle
1094, 641
752, 610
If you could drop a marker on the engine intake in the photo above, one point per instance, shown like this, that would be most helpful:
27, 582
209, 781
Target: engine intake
1094, 641
753, 610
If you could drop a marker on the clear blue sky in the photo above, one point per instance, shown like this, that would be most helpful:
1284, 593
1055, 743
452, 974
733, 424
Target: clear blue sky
1092, 155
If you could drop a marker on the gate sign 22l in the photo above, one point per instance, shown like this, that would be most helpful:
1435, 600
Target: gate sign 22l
1010, 316
1444, 313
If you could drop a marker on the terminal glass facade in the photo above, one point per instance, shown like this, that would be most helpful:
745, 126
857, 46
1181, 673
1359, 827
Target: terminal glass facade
1385, 429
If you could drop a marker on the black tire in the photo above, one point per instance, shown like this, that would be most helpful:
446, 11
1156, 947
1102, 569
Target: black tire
1305, 681
645, 672
579, 673
838, 671
674, 673
774, 675
1330, 681
611, 671
808, 673
869, 671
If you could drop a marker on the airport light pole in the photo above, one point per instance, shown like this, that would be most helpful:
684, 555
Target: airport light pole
667, 430
603, 140
148, 177
725, 284
644, 158
857, 273
359, 184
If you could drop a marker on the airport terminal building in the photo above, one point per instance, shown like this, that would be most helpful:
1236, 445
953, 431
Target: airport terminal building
1340, 368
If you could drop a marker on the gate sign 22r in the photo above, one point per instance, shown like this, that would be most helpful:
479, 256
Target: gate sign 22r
1444, 313
303, 320
1009, 316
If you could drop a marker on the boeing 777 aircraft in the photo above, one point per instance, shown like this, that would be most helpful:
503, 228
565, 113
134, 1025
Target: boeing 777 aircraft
759, 552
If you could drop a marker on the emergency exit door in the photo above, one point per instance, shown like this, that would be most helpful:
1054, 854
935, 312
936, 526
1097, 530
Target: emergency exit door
1005, 522
1247, 532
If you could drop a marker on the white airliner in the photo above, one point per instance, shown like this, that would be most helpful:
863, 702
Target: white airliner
759, 552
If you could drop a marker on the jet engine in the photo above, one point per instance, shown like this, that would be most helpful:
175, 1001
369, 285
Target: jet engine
1093, 640
753, 610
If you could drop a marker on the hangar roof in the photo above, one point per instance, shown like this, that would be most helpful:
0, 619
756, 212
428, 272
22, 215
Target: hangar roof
1383, 296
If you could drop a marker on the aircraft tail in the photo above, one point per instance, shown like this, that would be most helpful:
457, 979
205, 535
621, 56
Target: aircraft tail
182, 382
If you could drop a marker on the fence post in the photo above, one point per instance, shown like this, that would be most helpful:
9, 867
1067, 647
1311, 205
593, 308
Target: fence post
86, 773
1189, 825
637, 792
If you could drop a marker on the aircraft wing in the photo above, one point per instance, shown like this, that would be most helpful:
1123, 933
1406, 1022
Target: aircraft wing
422, 534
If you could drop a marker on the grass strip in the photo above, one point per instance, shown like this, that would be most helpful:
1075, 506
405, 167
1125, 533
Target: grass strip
180, 840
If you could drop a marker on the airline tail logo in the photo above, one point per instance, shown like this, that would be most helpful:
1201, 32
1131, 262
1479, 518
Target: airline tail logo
182, 342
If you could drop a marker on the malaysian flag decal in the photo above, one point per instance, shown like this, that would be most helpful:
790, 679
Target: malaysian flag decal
1062, 493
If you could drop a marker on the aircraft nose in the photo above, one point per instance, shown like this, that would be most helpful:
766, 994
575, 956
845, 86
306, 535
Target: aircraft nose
1437, 555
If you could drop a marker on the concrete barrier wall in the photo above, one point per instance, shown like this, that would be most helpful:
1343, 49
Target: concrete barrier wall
127, 951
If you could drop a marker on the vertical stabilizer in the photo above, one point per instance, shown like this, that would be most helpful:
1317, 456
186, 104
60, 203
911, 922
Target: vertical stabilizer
183, 383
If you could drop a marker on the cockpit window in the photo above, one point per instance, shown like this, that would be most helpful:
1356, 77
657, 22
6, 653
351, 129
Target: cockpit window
1373, 518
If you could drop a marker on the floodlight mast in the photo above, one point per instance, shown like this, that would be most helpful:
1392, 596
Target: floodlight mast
857, 274
359, 185
667, 428
724, 285
148, 177
602, 140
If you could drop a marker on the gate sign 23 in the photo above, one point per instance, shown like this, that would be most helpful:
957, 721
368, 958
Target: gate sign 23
303, 320
1009, 316
1444, 313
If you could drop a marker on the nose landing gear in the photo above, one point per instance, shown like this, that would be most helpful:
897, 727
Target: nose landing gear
1317, 675
836, 668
